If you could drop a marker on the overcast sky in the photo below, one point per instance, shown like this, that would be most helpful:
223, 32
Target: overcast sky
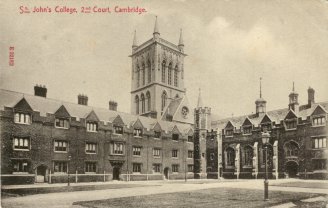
230, 45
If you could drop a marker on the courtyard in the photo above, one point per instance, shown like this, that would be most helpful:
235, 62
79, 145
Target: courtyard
193, 193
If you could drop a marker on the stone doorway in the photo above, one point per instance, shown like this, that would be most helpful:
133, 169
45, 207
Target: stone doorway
41, 174
292, 169
116, 173
166, 173
117, 168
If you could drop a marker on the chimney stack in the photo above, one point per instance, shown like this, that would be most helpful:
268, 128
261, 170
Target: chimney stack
40, 90
82, 99
112, 105
310, 96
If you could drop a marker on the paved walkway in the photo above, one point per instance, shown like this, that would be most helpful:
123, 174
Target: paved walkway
66, 199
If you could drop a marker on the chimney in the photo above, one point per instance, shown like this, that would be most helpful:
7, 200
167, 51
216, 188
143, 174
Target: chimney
310, 96
82, 99
112, 105
169, 117
40, 90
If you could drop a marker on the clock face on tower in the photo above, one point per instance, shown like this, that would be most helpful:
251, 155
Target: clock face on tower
185, 112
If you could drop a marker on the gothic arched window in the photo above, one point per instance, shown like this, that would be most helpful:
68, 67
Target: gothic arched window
137, 104
149, 71
143, 74
291, 149
138, 76
169, 74
163, 72
230, 161
142, 103
164, 97
148, 101
248, 155
176, 76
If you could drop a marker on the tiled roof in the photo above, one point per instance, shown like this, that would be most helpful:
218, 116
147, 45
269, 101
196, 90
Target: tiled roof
48, 105
171, 107
275, 116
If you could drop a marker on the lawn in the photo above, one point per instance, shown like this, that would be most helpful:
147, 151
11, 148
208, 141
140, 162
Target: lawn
306, 184
217, 197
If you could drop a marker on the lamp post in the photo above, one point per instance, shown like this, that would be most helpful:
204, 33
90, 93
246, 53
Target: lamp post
265, 142
68, 176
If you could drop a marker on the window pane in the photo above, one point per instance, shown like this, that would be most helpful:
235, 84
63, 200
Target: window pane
324, 141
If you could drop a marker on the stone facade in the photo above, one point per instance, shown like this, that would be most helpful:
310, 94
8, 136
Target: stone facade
297, 145
40, 149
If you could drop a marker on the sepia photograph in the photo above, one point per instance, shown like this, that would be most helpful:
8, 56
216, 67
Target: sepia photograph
177, 103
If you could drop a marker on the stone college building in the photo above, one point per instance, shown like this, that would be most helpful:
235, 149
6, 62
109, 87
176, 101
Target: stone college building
163, 138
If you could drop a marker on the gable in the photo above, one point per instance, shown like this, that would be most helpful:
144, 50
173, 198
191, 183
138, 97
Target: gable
247, 122
138, 124
23, 105
92, 116
62, 112
190, 132
266, 119
229, 125
157, 127
183, 111
290, 115
175, 130
318, 111
118, 121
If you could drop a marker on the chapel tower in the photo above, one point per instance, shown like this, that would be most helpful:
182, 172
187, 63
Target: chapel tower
157, 74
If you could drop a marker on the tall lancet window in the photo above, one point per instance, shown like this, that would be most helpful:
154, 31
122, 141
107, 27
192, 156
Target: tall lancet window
143, 74
163, 72
149, 71
142, 103
169, 74
176, 76
148, 101
164, 97
137, 104
248, 156
138, 76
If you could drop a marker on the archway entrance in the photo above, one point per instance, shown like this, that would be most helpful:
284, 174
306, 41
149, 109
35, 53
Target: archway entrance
41, 174
166, 173
292, 169
116, 173
117, 166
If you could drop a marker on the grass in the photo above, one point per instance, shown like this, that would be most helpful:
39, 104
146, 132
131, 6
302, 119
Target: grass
44, 190
304, 184
217, 197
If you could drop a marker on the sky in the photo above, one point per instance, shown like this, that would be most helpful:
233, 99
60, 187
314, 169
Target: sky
230, 45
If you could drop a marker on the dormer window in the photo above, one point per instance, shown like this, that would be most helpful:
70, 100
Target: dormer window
247, 129
291, 124
22, 118
118, 130
92, 126
62, 123
266, 127
175, 137
319, 121
158, 134
229, 132
137, 132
